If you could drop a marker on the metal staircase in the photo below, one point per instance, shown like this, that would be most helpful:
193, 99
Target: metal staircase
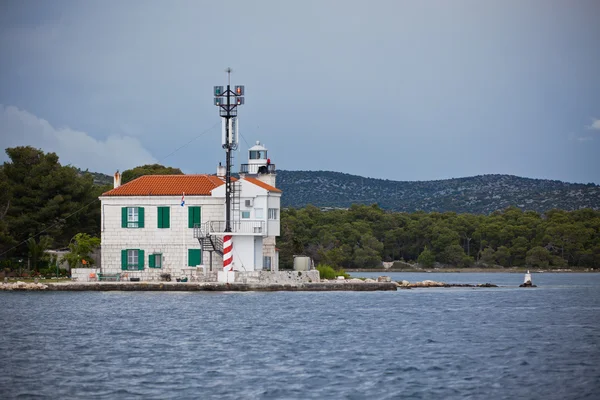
216, 244
208, 242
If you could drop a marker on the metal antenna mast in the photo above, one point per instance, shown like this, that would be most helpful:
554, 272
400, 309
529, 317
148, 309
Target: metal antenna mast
228, 111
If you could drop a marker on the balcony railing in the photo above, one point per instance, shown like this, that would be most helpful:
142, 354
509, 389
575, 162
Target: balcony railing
252, 228
257, 169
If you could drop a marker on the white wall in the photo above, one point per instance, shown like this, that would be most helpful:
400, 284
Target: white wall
258, 253
274, 226
243, 253
173, 243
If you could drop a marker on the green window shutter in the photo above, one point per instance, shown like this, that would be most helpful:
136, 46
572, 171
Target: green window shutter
140, 217
141, 260
159, 214
151, 261
193, 216
124, 217
166, 217
124, 259
194, 257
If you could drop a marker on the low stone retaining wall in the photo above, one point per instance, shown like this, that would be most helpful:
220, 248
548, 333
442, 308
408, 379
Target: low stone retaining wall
84, 274
278, 277
219, 287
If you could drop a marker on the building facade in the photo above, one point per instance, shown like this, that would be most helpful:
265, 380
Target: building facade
174, 224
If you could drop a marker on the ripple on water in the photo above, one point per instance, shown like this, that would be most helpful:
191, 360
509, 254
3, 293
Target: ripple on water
415, 344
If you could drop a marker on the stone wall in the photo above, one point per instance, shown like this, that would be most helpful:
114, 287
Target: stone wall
280, 277
173, 243
83, 274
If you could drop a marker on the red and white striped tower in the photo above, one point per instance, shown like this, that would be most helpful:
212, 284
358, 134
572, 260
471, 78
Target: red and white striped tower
227, 253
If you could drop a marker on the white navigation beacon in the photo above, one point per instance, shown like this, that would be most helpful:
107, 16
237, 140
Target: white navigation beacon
258, 159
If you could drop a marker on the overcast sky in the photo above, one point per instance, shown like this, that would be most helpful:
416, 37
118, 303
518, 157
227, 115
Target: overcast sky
401, 90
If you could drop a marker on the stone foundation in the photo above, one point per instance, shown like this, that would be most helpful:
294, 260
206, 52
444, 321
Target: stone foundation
199, 275
84, 274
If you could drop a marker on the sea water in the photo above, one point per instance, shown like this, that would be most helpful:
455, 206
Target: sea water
435, 343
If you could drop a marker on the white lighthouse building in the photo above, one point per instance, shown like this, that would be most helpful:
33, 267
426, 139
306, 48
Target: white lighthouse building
175, 224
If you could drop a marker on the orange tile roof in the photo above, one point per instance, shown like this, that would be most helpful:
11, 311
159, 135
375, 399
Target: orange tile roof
262, 184
168, 185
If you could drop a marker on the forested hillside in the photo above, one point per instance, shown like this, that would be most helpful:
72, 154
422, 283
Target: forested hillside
479, 194
364, 236
44, 204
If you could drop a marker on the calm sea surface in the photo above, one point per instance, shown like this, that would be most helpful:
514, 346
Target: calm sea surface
442, 343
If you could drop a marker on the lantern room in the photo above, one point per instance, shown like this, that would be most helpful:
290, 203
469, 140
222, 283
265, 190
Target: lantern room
258, 161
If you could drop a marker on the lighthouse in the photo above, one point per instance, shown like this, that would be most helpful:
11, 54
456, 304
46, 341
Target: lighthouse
259, 165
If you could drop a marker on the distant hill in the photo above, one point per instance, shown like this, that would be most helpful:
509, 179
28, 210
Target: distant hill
99, 178
481, 194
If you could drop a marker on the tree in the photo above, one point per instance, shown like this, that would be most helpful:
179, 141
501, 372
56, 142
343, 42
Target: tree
46, 196
426, 258
503, 256
454, 255
367, 254
487, 256
538, 257
37, 250
149, 169
6, 240
81, 247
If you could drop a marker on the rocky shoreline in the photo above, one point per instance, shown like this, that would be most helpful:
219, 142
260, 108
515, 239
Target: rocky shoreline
383, 283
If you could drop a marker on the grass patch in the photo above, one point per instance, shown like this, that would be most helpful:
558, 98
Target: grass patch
328, 272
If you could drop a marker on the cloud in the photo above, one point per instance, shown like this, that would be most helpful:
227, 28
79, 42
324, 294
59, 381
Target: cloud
21, 128
585, 139
595, 125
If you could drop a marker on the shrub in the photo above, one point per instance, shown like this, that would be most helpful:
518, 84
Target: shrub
328, 272
426, 258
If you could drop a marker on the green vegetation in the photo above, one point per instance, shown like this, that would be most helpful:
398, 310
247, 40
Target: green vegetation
328, 272
154, 169
43, 204
364, 236
482, 194
81, 247
46, 205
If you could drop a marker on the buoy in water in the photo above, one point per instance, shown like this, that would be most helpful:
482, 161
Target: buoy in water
527, 281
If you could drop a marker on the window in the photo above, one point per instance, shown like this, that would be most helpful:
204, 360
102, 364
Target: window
259, 213
258, 154
132, 217
245, 214
164, 217
132, 260
155, 261
267, 263
194, 216
194, 257
272, 213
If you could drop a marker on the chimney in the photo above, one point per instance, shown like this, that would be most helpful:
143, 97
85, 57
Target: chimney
117, 181
221, 171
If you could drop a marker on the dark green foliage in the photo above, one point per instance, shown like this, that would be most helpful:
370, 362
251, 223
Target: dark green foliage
328, 272
37, 248
426, 258
81, 247
38, 195
538, 257
363, 236
153, 169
